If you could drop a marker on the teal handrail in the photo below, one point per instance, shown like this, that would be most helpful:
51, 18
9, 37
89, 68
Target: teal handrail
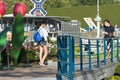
81, 57
117, 55
66, 66
98, 57
89, 54
111, 53
105, 47
65, 46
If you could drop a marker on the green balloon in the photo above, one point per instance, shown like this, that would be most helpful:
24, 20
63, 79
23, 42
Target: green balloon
17, 36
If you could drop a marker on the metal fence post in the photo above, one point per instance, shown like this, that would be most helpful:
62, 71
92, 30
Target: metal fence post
89, 54
117, 55
81, 55
111, 44
105, 51
98, 58
59, 77
71, 57
62, 56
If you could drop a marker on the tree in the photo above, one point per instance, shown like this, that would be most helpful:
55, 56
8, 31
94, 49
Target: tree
57, 3
10, 5
106, 2
75, 2
84, 2
92, 2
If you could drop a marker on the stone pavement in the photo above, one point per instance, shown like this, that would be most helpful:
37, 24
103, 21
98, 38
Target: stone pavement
36, 72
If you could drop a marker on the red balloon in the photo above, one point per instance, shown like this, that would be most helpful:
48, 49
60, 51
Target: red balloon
19, 8
2, 8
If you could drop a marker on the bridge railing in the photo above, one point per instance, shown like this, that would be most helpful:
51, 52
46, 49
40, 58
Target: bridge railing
97, 54
65, 44
93, 54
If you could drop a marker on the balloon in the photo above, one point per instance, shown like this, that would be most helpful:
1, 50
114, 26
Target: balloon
19, 7
2, 8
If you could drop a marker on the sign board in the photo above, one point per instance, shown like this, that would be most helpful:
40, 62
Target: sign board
90, 23
38, 9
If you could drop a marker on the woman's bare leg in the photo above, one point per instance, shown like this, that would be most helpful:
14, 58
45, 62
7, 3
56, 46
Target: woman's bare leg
40, 55
45, 48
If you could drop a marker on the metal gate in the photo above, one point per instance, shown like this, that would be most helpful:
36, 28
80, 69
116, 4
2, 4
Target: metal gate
71, 28
65, 46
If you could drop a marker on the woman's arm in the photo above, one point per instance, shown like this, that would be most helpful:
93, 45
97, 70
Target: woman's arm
45, 34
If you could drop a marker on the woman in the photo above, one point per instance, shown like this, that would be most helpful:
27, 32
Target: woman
43, 44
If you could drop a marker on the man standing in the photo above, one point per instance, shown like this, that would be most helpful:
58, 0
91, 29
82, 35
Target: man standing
108, 35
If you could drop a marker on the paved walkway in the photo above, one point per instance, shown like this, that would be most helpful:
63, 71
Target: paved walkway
36, 72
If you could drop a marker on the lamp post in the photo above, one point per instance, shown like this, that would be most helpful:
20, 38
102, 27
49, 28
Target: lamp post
98, 19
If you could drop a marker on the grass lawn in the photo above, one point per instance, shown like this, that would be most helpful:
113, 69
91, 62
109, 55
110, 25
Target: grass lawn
102, 56
106, 11
114, 78
117, 74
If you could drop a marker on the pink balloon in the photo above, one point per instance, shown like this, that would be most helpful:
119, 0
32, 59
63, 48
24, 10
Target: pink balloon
19, 7
2, 8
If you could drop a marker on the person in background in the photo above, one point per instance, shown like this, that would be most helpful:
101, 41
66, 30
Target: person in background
9, 36
109, 33
43, 44
116, 30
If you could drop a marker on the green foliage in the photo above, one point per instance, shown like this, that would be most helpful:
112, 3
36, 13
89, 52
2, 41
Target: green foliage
106, 12
23, 57
75, 2
117, 73
114, 78
27, 54
3, 38
10, 5
56, 3
4, 57
52, 54
117, 69
77, 50
106, 2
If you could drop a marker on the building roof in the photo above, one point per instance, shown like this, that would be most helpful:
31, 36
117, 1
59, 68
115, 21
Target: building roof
31, 16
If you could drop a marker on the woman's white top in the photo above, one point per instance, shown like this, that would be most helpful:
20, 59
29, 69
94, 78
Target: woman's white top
43, 32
